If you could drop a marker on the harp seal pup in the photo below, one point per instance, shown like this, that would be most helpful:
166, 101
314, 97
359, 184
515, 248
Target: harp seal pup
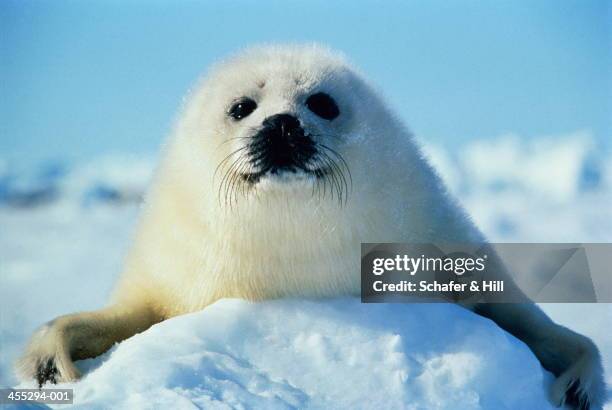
283, 160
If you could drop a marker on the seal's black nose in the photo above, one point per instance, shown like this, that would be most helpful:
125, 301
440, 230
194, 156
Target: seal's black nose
284, 125
281, 144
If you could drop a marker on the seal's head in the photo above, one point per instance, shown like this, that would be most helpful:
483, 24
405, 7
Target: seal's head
281, 118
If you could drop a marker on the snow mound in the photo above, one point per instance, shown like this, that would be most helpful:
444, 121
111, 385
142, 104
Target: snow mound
310, 354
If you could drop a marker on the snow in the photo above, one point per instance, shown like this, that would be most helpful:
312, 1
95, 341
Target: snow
64, 228
333, 354
549, 189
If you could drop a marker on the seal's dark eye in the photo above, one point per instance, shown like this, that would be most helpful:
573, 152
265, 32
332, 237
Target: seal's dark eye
323, 105
242, 108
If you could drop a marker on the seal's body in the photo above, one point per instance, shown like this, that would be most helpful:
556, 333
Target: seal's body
283, 161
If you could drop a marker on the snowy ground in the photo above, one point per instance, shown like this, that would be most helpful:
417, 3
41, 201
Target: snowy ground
64, 230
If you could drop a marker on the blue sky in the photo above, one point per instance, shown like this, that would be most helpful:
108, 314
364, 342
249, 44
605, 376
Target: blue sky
80, 78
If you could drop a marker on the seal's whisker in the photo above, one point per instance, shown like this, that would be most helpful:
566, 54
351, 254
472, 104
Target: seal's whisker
224, 160
238, 181
226, 177
318, 179
334, 182
342, 160
338, 167
337, 172
228, 140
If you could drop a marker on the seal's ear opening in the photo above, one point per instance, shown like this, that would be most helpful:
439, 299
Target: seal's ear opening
323, 105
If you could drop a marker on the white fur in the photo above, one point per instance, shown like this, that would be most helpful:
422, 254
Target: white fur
284, 240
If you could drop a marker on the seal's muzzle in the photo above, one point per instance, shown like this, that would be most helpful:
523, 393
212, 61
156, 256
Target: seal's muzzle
280, 145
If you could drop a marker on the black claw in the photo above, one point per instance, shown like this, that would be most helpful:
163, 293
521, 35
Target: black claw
575, 397
46, 372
